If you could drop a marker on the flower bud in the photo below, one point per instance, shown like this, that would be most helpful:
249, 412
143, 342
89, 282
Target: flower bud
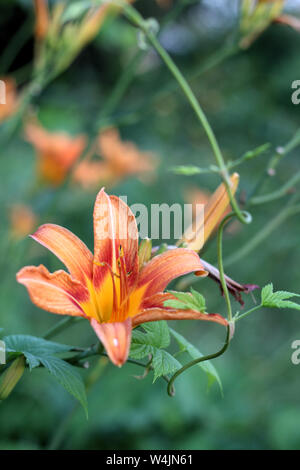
144, 252
11, 376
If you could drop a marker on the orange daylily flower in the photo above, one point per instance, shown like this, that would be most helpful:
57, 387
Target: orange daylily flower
56, 152
11, 101
109, 288
214, 210
22, 220
120, 160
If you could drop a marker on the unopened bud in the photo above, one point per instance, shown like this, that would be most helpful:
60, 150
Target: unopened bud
11, 376
145, 251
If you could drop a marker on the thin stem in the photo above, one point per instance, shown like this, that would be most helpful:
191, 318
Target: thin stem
243, 315
280, 153
137, 19
119, 88
220, 264
60, 326
170, 388
262, 235
276, 194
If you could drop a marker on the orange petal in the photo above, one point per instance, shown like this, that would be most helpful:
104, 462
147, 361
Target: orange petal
115, 230
56, 293
68, 248
213, 211
156, 300
156, 314
162, 269
116, 338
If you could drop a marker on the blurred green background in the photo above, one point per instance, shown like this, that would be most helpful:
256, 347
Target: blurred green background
247, 99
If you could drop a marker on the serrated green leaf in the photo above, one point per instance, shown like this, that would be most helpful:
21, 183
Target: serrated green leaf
177, 304
163, 363
157, 333
199, 300
157, 336
140, 346
39, 351
278, 299
68, 377
187, 300
207, 366
143, 344
33, 348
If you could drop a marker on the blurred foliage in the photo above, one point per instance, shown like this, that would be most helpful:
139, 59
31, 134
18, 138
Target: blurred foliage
247, 99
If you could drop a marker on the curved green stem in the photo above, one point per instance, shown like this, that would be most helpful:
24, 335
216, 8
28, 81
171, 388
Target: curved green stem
245, 314
262, 235
138, 21
276, 194
171, 390
220, 263
275, 159
246, 215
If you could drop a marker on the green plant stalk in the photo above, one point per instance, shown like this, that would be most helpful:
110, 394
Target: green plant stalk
276, 194
284, 214
220, 263
280, 153
245, 314
137, 19
60, 326
170, 388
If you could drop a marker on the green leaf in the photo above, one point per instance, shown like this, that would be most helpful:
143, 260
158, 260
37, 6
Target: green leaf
157, 333
207, 366
278, 299
68, 377
156, 336
39, 351
199, 300
33, 348
163, 364
140, 345
187, 300
187, 170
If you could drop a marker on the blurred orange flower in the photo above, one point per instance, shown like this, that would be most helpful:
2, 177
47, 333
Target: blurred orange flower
11, 102
119, 160
56, 152
164, 3
22, 220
